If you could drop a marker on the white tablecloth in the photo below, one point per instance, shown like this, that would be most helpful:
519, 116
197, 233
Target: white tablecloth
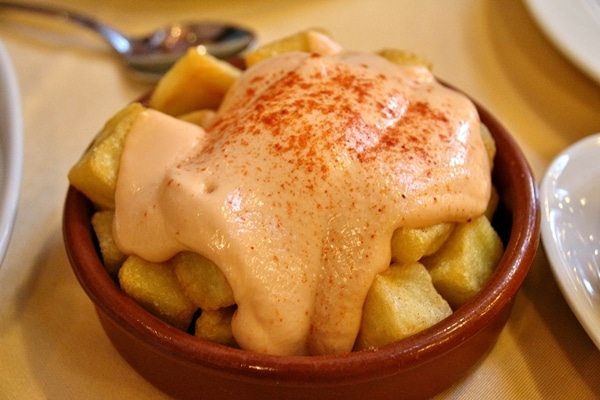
51, 344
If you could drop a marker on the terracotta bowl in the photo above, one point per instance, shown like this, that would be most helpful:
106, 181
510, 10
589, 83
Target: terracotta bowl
414, 368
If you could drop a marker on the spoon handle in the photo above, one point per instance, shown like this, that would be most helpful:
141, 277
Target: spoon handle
116, 39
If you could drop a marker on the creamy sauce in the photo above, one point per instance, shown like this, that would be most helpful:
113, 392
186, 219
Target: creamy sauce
295, 189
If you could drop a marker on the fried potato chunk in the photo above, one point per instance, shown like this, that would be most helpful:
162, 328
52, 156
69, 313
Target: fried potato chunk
196, 81
489, 143
202, 281
203, 118
492, 204
112, 256
464, 264
95, 174
401, 302
215, 325
402, 57
307, 41
155, 287
411, 244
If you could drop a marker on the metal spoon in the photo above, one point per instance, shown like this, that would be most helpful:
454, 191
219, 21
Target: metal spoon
150, 56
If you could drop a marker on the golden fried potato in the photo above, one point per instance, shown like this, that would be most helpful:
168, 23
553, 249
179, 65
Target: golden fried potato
489, 143
490, 147
403, 57
401, 302
202, 118
411, 244
215, 325
302, 41
112, 256
492, 204
155, 287
95, 174
202, 281
462, 267
196, 81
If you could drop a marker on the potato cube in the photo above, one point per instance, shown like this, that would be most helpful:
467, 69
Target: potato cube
198, 80
401, 302
95, 174
202, 118
112, 256
402, 57
411, 244
308, 41
215, 325
462, 267
492, 204
202, 281
155, 287
489, 143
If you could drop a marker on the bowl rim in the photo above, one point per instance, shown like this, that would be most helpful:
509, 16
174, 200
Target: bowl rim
356, 366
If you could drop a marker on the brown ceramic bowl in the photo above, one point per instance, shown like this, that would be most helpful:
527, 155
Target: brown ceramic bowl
414, 368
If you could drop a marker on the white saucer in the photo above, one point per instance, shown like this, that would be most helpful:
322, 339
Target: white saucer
570, 200
11, 149
574, 28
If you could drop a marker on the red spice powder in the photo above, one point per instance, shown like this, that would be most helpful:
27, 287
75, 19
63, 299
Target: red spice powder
325, 110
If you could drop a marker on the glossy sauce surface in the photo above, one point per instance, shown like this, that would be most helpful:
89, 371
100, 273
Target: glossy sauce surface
296, 187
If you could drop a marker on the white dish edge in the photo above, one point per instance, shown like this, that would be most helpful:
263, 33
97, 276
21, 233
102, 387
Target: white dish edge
11, 149
569, 278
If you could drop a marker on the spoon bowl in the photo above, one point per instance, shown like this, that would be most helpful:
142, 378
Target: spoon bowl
149, 56
154, 54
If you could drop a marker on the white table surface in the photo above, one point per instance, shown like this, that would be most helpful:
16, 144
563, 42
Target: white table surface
51, 343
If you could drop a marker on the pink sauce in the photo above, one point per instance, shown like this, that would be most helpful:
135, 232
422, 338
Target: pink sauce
295, 189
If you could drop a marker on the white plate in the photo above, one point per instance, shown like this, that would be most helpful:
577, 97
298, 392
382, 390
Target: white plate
11, 149
574, 28
570, 197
